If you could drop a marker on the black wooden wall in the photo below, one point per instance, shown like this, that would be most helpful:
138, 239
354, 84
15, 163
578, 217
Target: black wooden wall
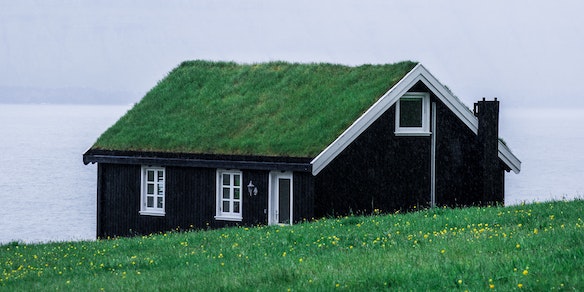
190, 197
255, 207
457, 161
380, 170
303, 208
377, 171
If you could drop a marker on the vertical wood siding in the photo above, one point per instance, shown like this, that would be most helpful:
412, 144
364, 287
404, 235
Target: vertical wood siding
457, 161
377, 171
255, 207
382, 171
190, 198
303, 208
119, 199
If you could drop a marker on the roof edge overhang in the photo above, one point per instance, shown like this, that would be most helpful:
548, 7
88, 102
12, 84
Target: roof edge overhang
417, 74
227, 163
509, 158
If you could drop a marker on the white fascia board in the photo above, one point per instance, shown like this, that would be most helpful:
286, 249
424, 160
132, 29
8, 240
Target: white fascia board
509, 158
452, 102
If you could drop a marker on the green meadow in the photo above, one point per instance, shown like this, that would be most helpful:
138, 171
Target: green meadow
529, 247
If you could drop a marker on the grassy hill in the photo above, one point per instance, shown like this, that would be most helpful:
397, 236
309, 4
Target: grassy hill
533, 247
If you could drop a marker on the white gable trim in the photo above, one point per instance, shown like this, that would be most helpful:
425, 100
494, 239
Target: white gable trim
419, 73
452, 102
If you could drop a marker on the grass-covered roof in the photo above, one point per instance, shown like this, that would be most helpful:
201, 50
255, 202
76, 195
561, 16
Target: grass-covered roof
268, 109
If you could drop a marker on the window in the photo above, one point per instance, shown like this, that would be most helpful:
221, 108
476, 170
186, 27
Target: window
412, 114
152, 191
229, 201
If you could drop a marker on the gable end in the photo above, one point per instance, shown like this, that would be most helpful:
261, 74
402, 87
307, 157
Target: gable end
417, 74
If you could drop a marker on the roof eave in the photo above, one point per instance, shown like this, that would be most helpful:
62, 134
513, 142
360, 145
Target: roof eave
509, 158
229, 163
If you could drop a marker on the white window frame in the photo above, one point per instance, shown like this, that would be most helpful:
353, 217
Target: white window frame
158, 186
424, 130
230, 215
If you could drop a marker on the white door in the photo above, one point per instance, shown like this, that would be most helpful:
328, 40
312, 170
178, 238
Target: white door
280, 198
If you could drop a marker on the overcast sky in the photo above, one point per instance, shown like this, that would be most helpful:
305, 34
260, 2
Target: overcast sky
527, 53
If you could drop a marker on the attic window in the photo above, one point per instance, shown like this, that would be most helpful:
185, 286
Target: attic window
412, 114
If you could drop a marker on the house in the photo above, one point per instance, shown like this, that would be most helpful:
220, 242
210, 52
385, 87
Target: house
218, 144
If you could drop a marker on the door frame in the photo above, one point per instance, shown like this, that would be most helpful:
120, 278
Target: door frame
273, 196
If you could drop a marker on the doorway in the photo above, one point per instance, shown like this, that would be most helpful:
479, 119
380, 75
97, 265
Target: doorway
280, 198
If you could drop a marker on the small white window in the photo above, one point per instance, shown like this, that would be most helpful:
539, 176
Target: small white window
152, 197
412, 114
229, 195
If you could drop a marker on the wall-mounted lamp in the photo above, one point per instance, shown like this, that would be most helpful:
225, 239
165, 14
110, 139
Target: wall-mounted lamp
253, 191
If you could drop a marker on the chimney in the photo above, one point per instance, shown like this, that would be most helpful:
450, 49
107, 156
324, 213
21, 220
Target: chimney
487, 113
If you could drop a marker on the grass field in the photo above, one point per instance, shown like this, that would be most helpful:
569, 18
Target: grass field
531, 247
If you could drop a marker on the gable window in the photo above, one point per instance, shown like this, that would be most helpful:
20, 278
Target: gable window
412, 114
152, 197
229, 191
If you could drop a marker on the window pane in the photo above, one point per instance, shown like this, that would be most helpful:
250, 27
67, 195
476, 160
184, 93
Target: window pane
160, 175
150, 202
284, 200
226, 193
236, 193
150, 175
225, 206
160, 189
236, 180
150, 189
235, 207
159, 205
226, 179
410, 113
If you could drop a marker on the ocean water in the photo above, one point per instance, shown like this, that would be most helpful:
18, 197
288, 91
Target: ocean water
550, 145
48, 194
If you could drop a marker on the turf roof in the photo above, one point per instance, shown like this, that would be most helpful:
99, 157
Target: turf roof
267, 109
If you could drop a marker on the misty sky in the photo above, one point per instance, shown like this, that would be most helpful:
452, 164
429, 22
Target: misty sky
527, 53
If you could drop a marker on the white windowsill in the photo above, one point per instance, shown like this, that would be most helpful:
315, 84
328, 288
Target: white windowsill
152, 213
228, 218
413, 133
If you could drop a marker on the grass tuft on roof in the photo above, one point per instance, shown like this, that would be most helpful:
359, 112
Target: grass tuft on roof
267, 109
